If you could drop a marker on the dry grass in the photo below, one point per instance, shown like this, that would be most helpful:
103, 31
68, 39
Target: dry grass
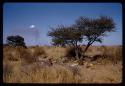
55, 52
63, 74
112, 53
54, 74
37, 52
18, 54
23, 66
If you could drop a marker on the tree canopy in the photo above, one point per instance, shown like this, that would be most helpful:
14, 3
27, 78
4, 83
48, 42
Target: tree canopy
15, 41
63, 35
95, 29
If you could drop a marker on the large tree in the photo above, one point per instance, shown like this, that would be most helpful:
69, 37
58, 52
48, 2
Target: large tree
95, 29
90, 30
16, 41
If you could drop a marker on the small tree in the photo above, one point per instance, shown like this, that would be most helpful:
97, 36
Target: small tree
15, 41
63, 36
95, 29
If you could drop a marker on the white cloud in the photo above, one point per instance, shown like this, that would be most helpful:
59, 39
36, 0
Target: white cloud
32, 26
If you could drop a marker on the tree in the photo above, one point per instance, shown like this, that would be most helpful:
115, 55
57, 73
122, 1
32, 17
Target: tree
15, 41
95, 29
63, 36
91, 30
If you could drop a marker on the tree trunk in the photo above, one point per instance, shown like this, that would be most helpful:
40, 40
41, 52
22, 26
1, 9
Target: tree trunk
77, 53
76, 50
88, 45
86, 48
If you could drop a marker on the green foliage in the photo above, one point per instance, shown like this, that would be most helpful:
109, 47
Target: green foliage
63, 35
95, 29
15, 41
57, 41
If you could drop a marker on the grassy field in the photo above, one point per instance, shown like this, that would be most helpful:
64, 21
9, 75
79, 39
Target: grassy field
45, 64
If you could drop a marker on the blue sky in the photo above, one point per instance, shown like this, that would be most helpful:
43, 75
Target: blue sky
33, 20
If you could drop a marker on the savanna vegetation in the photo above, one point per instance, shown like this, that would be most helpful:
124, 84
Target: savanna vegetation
45, 64
67, 60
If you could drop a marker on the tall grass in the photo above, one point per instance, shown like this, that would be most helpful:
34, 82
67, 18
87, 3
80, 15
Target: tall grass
55, 52
17, 54
61, 74
54, 74
21, 65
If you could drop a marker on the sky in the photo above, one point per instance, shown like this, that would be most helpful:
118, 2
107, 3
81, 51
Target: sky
33, 20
